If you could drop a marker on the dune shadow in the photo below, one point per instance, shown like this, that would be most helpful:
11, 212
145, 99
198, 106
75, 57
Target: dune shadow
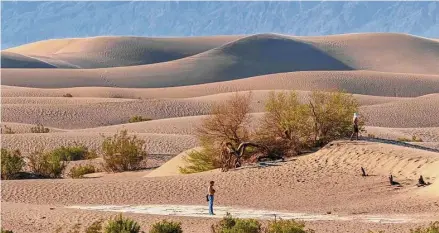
399, 143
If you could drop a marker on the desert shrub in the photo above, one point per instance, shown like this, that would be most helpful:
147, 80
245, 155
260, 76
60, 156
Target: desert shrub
331, 114
432, 228
286, 127
6, 231
166, 227
138, 119
233, 225
122, 152
80, 170
416, 139
74, 152
7, 130
12, 163
413, 139
287, 226
199, 161
67, 95
371, 135
228, 122
46, 164
39, 128
119, 224
95, 227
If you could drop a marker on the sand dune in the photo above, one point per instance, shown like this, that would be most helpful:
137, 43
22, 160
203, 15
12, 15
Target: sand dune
417, 112
15, 60
251, 56
356, 82
70, 113
155, 143
102, 52
24, 128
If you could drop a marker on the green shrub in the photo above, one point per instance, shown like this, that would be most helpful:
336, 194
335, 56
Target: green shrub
7, 231
122, 225
7, 130
79, 171
47, 164
432, 228
75, 152
232, 225
95, 227
67, 95
138, 119
122, 152
166, 227
413, 139
287, 226
39, 128
198, 161
12, 163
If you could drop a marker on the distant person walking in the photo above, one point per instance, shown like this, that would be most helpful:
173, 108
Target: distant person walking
355, 126
210, 195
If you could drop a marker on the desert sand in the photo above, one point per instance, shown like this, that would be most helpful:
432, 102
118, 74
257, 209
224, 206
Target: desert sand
175, 81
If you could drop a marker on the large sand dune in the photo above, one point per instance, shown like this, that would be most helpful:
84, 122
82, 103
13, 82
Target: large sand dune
251, 56
101, 52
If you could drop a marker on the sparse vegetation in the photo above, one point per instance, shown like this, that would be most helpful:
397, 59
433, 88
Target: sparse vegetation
47, 164
138, 119
432, 228
233, 225
12, 163
7, 231
413, 139
287, 226
122, 152
39, 128
371, 135
75, 152
7, 130
166, 227
119, 224
81, 170
199, 161
67, 95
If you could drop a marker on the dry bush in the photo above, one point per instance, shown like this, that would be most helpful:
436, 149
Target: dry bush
39, 128
7, 130
332, 115
67, 95
46, 164
122, 152
227, 122
287, 226
81, 170
235, 225
138, 119
12, 163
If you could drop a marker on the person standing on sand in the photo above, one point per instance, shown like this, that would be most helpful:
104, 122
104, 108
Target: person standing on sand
211, 193
355, 125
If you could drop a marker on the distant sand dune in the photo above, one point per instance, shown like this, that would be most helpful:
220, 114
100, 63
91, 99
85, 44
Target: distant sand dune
356, 82
106, 51
15, 60
252, 56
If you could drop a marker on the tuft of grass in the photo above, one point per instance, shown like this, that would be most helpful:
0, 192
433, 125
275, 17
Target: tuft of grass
7, 130
67, 95
119, 224
413, 139
79, 171
138, 119
166, 227
39, 128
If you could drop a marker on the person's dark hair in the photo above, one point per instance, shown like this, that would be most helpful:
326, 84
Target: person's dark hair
212, 182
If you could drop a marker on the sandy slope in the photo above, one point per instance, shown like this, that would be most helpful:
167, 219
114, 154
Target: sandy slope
19, 128
326, 181
155, 143
251, 56
378, 111
15, 60
107, 51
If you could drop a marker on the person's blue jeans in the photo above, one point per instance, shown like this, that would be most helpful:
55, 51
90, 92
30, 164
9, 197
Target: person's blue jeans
211, 204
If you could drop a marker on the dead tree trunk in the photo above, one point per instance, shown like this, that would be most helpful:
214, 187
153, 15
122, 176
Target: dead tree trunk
363, 171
